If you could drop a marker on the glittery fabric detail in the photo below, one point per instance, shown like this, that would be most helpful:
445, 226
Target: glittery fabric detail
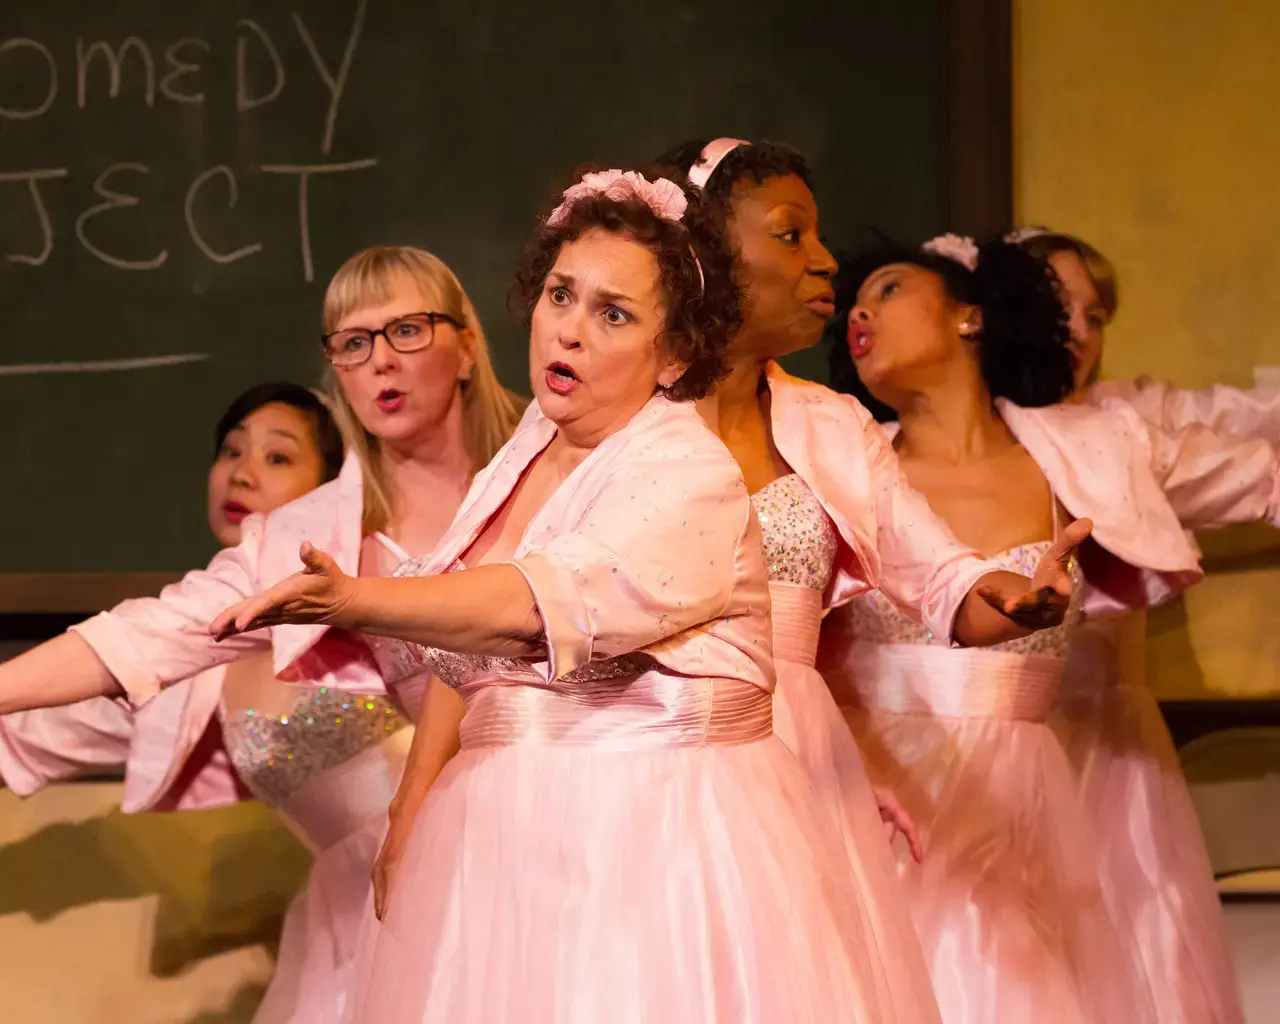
877, 620
399, 660
276, 754
799, 538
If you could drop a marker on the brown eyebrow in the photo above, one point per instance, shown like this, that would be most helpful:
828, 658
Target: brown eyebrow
568, 280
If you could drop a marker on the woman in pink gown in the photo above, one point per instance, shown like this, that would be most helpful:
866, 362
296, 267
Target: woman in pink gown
1150, 840
834, 512
967, 347
621, 836
419, 418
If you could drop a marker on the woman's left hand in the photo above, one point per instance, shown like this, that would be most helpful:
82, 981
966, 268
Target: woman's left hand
317, 594
898, 822
1045, 602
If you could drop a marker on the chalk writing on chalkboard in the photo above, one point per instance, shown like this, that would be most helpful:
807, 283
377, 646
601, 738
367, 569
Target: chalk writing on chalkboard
96, 74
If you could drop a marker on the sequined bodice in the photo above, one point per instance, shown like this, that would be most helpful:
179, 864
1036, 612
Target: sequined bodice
877, 620
400, 660
799, 538
276, 754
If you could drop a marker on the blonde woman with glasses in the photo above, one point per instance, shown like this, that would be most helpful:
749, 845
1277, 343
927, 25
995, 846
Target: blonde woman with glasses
420, 410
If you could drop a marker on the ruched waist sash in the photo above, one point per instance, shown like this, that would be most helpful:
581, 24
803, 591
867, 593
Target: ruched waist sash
338, 802
797, 619
913, 679
652, 710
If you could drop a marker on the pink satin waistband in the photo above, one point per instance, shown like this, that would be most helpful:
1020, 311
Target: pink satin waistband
338, 802
651, 710
797, 619
914, 679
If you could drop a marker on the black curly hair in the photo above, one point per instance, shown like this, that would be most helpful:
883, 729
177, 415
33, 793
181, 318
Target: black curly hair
703, 311
1022, 353
756, 162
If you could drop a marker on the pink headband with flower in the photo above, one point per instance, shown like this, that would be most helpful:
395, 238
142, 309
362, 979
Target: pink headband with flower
961, 248
664, 197
709, 159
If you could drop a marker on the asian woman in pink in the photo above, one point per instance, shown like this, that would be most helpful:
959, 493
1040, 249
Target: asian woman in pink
967, 348
413, 388
621, 837
836, 515
1150, 840
208, 741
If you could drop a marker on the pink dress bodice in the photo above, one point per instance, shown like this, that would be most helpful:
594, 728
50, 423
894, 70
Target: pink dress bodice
276, 755
877, 620
897, 664
799, 539
800, 551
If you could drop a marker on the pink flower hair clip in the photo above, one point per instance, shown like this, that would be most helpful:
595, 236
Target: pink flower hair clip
961, 248
664, 197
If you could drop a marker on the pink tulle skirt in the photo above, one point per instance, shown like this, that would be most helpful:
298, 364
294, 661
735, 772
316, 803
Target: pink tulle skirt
571, 882
1150, 846
809, 722
315, 964
1009, 904
341, 816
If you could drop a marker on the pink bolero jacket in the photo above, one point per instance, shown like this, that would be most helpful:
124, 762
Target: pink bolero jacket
1231, 411
1140, 485
890, 539
649, 545
172, 761
161, 652
151, 643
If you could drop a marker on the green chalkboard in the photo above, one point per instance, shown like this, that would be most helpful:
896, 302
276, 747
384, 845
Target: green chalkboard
179, 180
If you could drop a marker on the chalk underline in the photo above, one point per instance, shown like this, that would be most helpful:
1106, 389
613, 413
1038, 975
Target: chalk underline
103, 365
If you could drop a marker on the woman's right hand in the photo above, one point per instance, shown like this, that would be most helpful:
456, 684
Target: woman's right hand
384, 868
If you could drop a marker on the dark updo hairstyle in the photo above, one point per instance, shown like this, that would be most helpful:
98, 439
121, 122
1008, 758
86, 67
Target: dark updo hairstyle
702, 312
1022, 346
755, 163
325, 434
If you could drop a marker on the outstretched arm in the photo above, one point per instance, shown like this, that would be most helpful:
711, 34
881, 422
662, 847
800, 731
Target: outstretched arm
60, 671
1232, 412
1003, 606
486, 610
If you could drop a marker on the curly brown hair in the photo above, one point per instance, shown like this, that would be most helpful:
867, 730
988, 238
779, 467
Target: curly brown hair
702, 314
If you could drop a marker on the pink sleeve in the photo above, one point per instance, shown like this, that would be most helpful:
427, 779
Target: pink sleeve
1212, 481
1235, 412
153, 642
50, 745
656, 552
923, 567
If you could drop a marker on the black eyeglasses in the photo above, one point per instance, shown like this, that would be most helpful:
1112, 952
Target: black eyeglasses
411, 333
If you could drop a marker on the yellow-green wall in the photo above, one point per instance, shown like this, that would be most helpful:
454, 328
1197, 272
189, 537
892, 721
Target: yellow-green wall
1150, 129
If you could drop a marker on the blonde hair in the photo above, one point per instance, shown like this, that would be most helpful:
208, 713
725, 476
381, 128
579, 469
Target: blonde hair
489, 411
1098, 267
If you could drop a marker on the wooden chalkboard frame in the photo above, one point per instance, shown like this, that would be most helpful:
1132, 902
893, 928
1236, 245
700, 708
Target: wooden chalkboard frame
978, 118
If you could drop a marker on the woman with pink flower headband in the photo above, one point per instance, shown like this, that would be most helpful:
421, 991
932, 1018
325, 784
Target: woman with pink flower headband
1151, 845
621, 836
836, 516
967, 347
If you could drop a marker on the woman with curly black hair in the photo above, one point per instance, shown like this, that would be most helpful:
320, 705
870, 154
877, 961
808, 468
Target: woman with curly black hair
966, 346
836, 518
